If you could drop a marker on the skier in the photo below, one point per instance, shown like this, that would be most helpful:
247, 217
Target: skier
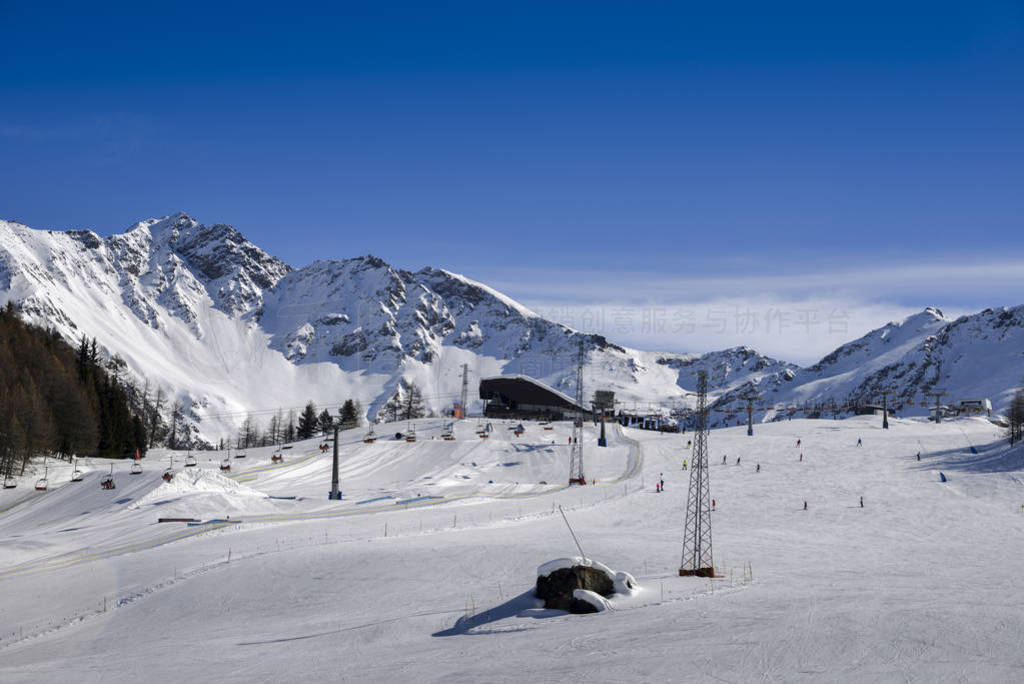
737, 460
798, 443
723, 459
684, 464
805, 505
688, 443
859, 442
713, 504
918, 455
758, 469
862, 502
801, 458
657, 488
662, 481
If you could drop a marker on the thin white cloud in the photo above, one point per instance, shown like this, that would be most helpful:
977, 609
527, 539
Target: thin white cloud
798, 317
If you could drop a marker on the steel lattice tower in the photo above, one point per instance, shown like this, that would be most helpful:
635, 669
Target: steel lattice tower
697, 533
576, 458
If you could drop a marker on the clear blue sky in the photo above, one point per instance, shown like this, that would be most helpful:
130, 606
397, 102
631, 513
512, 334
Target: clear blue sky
653, 138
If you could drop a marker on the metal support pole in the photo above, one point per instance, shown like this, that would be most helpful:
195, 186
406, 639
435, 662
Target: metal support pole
335, 492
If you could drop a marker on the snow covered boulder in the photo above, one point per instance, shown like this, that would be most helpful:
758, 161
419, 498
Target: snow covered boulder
580, 585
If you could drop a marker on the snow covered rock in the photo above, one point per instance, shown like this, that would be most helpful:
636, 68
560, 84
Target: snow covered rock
580, 585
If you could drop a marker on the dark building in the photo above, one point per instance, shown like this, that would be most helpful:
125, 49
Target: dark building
520, 396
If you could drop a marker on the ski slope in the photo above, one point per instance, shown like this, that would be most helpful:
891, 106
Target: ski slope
920, 584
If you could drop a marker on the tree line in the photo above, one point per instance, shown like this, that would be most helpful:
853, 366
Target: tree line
56, 399
294, 426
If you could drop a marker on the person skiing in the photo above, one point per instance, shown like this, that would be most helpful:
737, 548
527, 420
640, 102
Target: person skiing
723, 459
684, 464
805, 505
657, 488
758, 468
859, 443
918, 455
801, 458
662, 481
737, 460
798, 443
862, 502
688, 443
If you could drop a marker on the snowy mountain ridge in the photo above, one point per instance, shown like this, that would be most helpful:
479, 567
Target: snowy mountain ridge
231, 330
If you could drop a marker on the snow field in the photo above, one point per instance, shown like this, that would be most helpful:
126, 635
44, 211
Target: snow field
920, 584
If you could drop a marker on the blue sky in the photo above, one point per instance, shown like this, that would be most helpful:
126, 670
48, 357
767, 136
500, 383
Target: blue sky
592, 154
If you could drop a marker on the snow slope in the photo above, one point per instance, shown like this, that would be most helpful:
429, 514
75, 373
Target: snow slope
230, 330
920, 584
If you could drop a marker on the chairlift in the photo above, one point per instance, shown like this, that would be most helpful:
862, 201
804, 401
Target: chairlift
240, 453
277, 456
76, 474
519, 430
410, 434
225, 464
108, 481
370, 437
136, 468
43, 482
449, 432
190, 461
169, 473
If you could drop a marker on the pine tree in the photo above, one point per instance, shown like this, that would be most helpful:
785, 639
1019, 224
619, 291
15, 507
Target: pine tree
349, 418
413, 405
325, 422
307, 422
289, 428
1016, 417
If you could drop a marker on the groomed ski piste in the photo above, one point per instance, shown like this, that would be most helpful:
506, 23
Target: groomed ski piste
425, 569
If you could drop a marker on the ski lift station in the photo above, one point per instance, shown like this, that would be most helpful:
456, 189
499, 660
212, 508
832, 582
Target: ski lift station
523, 397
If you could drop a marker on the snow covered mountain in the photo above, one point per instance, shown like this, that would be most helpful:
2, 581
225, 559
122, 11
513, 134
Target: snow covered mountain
981, 355
231, 330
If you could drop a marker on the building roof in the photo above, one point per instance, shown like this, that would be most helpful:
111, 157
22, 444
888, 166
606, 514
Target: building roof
526, 390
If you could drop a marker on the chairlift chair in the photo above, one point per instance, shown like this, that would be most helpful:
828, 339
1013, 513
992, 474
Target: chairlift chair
449, 432
76, 474
190, 461
240, 453
43, 482
410, 434
108, 481
370, 437
225, 464
277, 456
10, 482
